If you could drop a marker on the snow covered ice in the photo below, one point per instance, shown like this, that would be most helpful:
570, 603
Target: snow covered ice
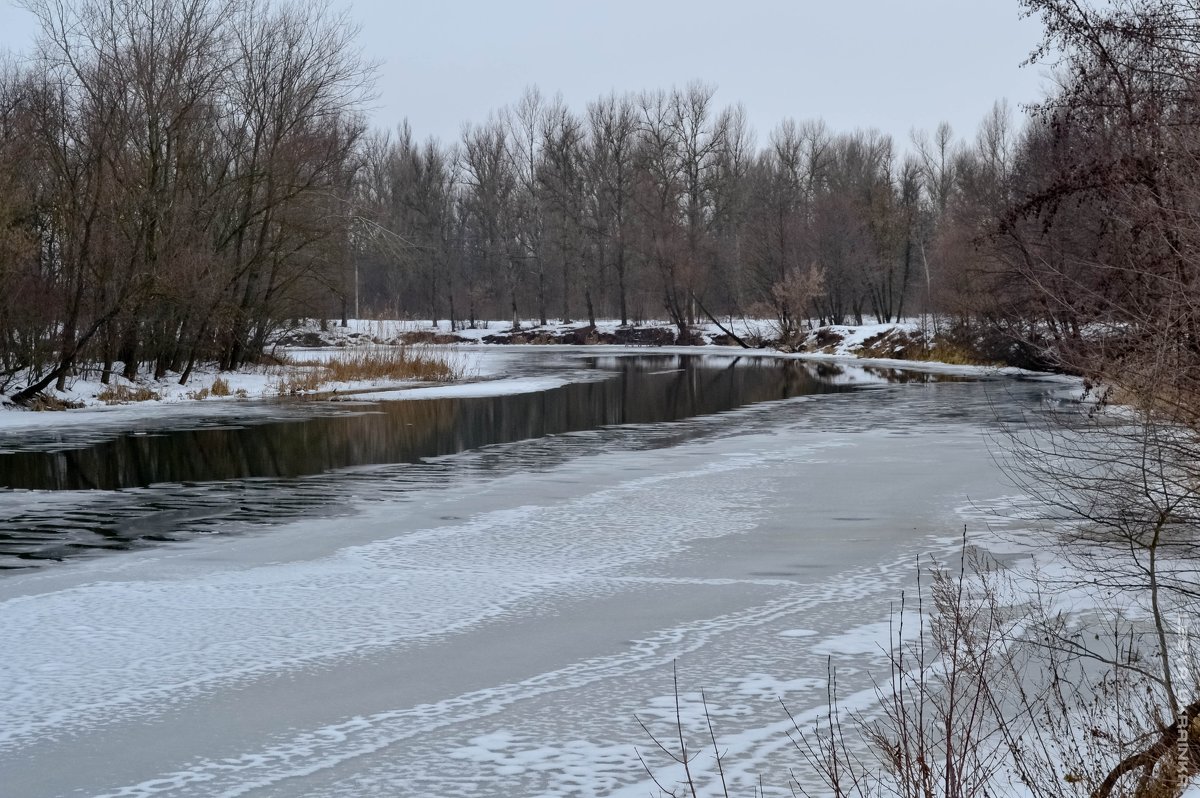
495, 633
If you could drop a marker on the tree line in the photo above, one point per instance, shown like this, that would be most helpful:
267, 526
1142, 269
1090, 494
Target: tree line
660, 205
179, 180
175, 180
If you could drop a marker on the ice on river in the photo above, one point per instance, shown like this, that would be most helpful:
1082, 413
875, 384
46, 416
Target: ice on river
498, 637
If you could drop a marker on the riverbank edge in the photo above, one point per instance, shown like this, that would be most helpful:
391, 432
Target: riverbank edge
863, 344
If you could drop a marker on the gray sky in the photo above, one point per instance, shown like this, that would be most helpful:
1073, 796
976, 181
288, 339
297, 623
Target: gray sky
889, 64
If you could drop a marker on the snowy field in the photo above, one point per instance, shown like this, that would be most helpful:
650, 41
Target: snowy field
497, 630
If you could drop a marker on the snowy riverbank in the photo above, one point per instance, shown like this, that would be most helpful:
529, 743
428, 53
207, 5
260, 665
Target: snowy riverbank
476, 355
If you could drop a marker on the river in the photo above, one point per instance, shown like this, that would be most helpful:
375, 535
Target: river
475, 596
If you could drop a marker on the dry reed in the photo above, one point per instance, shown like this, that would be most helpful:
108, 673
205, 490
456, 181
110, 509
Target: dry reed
368, 364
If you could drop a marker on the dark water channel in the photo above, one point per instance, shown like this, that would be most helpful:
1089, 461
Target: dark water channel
160, 483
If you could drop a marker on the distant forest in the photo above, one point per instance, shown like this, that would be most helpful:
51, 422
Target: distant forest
180, 179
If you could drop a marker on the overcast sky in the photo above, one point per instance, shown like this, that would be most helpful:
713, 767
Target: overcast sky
890, 64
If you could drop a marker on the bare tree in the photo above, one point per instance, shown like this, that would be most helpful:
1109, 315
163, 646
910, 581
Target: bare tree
569, 220
199, 155
489, 207
613, 124
700, 139
659, 194
524, 138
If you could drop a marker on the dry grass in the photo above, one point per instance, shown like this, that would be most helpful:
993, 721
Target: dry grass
121, 394
901, 345
297, 380
390, 363
219, 388
944, 351
49, 402
428, 337
368, 364
889, 345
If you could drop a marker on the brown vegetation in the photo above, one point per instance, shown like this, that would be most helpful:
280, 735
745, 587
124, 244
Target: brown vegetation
939, 348
368, 364
50, 402
123, 394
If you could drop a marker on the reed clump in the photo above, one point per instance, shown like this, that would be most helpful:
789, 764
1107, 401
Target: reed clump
122, 394
370, 364
391, 363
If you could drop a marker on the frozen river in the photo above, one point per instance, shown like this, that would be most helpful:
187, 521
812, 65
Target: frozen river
487, 622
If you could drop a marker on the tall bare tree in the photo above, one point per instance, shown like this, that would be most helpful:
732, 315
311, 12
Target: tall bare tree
613, 125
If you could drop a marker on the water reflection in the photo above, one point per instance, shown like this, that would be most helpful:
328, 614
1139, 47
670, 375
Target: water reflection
268, 465
640, 390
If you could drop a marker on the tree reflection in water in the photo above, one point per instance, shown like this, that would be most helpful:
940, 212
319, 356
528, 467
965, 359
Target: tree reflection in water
249, 469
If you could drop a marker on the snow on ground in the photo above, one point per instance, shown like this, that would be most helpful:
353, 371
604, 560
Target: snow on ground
390, 331
833, 342
197, 397
358, 330
838, 340
472, 359
497, 387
